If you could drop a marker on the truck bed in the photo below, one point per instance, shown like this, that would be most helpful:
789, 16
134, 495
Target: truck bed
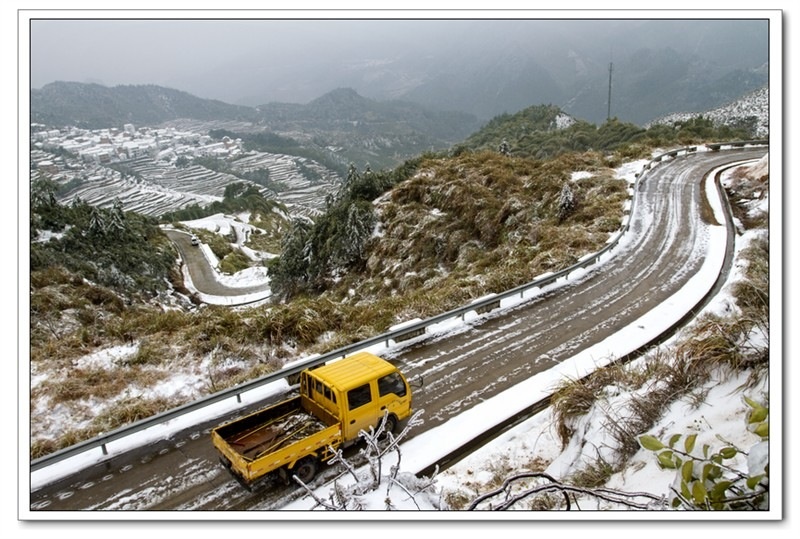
270, 430
275, 435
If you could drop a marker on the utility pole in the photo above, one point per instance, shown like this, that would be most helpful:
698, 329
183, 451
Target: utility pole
610, 69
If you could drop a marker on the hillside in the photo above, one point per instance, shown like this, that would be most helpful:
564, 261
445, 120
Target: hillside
750, 111
344, 109
93, 106
545, 131
591, 455
475, 210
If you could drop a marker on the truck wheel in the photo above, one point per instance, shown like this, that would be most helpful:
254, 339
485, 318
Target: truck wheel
390, 425
306, 469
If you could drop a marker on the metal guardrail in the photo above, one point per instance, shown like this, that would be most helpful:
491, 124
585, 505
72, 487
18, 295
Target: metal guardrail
408, 331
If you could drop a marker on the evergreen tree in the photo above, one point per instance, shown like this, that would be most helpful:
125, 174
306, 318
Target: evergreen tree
504, 148
97, 223
289, 273
117, 222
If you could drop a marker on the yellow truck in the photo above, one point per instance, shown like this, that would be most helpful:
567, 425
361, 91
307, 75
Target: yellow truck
293, 437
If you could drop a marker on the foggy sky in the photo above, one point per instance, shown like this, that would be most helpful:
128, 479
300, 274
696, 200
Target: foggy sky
159, 51
249, 61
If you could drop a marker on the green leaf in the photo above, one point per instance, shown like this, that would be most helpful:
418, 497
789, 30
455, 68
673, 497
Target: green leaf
686, 470
688, 444
699, 493
759, 412
728, 452
718, 491
650, 442
752, 482
762, 430
758, 416
674, 439
685, 490
665, 460
707, 471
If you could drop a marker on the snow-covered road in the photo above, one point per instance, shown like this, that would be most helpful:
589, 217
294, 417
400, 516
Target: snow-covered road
489, 356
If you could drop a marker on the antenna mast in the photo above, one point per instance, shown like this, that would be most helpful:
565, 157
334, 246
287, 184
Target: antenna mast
610, 69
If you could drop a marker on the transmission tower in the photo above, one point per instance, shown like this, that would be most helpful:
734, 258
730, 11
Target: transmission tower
610, 70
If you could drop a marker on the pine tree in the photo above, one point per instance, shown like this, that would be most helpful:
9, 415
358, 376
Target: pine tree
97, 223
504, 148
117, 222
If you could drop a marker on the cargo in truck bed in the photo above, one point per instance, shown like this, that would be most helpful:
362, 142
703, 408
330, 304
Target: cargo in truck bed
272, 436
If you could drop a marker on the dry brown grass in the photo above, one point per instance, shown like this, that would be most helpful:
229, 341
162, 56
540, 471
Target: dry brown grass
594, 474
84, 384
130, 410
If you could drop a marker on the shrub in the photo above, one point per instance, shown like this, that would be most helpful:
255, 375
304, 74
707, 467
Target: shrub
704, 480
234, 261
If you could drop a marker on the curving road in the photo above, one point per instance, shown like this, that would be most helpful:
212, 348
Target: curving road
203, 276
665, 247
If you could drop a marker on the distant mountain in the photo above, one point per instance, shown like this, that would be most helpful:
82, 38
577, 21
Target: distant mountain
341, 124
358, 130
92, 106
346, 111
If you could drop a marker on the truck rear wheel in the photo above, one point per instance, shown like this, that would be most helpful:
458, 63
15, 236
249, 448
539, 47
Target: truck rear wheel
390, 425
305, 469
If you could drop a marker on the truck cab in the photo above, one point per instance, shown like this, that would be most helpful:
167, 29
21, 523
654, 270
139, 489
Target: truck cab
359, 391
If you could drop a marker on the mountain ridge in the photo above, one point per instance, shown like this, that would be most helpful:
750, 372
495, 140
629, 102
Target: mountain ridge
352, 127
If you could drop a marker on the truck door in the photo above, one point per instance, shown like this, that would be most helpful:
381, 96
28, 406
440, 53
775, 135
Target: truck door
393, 396
361, 411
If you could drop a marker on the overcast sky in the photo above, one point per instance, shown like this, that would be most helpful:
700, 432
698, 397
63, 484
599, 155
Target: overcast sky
123, 51
158, 51
463, 62
140, 51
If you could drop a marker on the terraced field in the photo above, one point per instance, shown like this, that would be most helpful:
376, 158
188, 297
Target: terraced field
153, 187
301, 194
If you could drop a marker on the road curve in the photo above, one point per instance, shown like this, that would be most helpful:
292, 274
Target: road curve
665, 247
203, 277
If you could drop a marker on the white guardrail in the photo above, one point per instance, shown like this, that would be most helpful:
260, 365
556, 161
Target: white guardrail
398, 334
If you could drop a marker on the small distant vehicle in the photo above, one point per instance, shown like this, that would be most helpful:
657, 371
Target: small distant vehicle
294, 437
195, 240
